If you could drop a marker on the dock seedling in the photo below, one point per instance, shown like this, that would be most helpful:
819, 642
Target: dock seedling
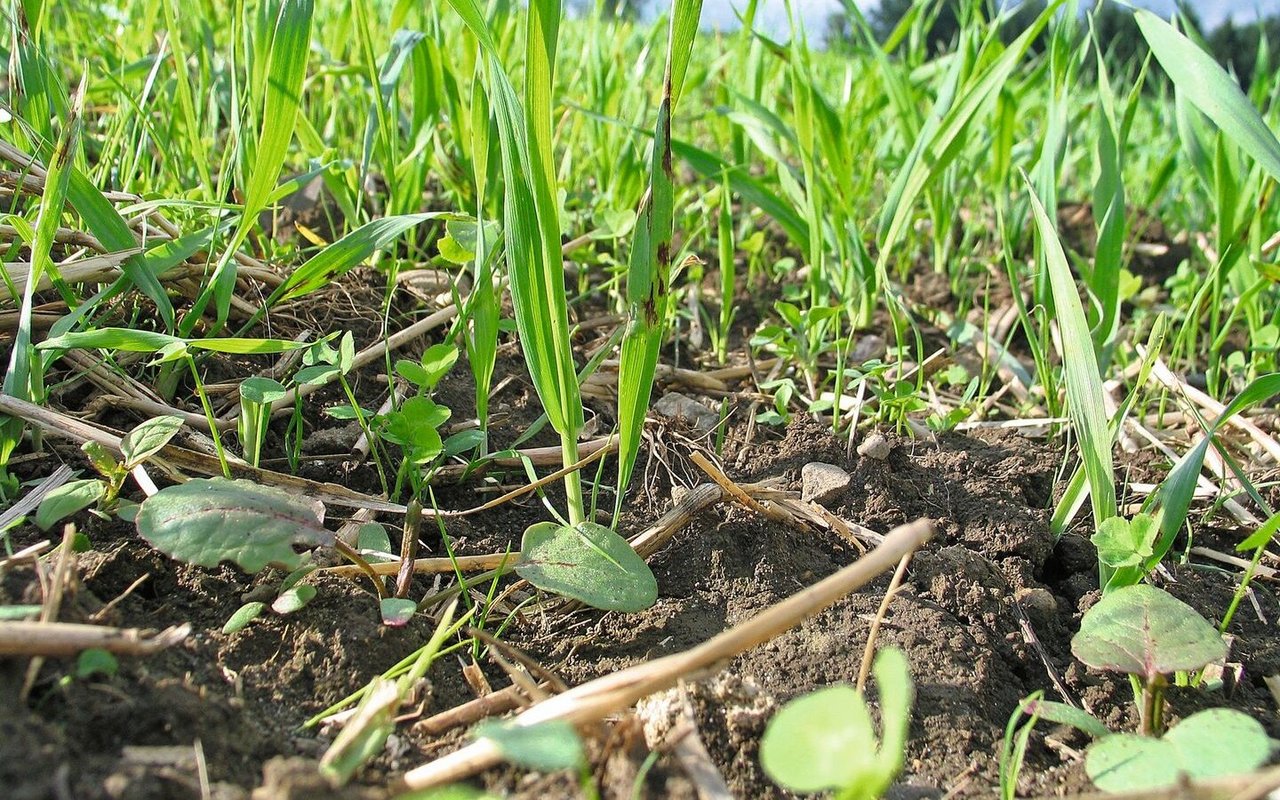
826, 740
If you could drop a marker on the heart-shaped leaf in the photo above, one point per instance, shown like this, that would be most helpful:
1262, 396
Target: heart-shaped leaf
588, 562
208, 521
1142, 630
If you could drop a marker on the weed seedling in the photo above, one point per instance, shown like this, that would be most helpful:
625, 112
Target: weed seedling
826, 741
1148, 634
137, 446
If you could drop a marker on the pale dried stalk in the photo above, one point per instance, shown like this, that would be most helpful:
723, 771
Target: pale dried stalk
58, 639
179, 463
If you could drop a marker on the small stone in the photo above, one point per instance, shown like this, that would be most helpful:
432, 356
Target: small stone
676, 406
869, 348
1037, 600
875, 446
822, 482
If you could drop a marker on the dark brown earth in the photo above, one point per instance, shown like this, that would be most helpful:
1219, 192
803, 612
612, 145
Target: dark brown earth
974, 606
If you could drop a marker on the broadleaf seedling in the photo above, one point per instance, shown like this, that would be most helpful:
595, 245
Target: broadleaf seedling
144, 441
208, 521
1148, 634
826, 740
587, 562
1205, 745
1127, 549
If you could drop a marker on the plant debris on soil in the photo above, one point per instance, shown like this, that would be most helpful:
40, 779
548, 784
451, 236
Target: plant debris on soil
985, 616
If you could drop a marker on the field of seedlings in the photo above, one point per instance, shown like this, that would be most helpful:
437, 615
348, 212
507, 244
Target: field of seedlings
484, 398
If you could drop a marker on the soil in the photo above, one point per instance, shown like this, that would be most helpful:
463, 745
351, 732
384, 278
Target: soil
985, 618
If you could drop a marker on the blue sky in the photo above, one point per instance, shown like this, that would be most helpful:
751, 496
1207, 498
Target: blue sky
772, 15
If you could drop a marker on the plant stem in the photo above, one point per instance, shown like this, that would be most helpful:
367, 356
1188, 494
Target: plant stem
572, 481
1153, 706
208, 414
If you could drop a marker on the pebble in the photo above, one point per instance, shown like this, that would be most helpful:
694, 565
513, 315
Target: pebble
822, 482
1037, 601
674, 405
875, 446
869, 348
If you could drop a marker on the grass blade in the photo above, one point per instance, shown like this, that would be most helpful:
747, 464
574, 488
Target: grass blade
1209, 88
1080, 372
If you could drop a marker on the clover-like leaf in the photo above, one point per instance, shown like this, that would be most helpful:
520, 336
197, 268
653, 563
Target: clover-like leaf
1126, 543
208, 521
1210, 744
1142, 630
413, 427
587, 562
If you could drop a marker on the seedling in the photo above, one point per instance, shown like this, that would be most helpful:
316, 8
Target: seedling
256, 396
1126, 550
1148, 634
1208, 744
826, 741
292, 595
144, 441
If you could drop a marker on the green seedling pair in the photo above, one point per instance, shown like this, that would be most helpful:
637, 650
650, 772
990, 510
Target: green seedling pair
1146, 633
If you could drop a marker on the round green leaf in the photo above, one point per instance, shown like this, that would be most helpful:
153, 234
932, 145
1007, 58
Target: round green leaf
1218, 742
96, 661
1142, 630
1210, 744
437, 362
373, 542
546, 747
453, 251
1127, 762
396, 611
244, 615
589, 563
821, 741
208, 521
